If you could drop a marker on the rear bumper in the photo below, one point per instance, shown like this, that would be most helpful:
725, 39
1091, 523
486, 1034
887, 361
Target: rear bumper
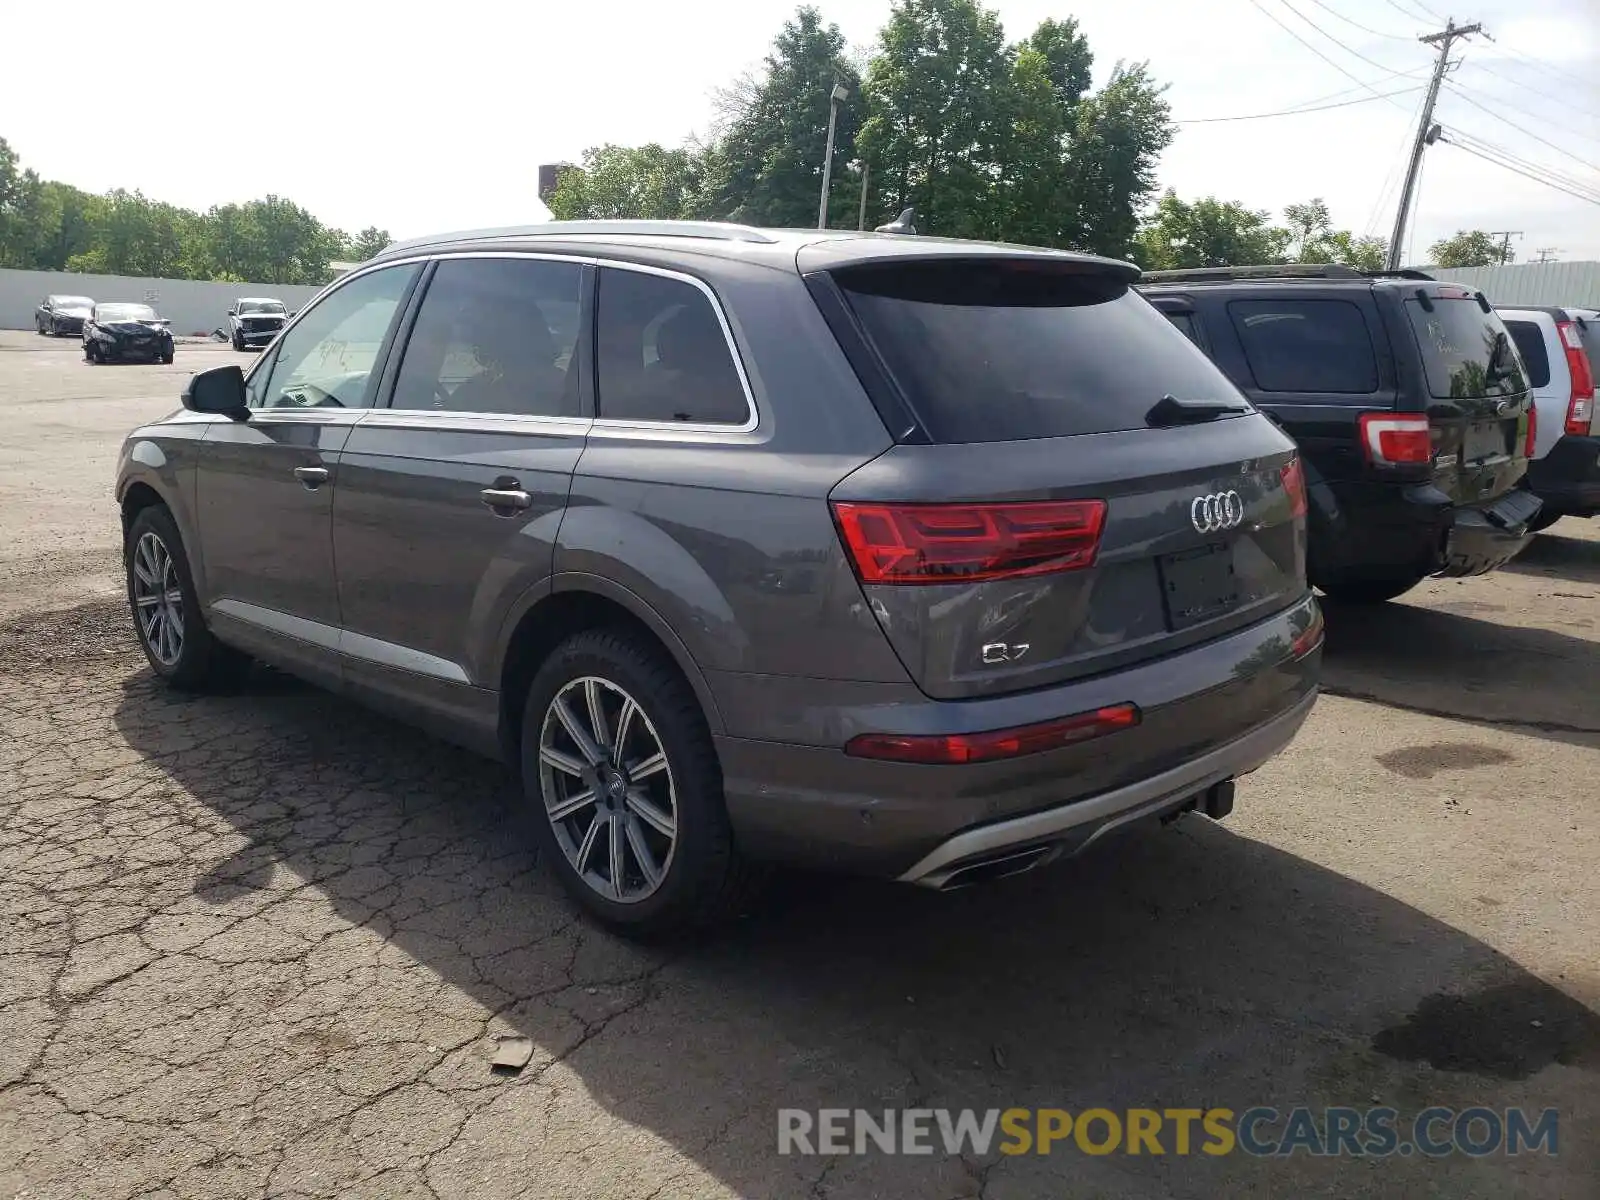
1568, 478
1380, 531
1207, 714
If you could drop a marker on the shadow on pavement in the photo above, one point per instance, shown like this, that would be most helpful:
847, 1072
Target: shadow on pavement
1179, 967
1454, 665
1555, 556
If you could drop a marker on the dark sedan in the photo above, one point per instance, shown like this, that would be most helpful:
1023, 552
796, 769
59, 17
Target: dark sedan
62, 316
120, 332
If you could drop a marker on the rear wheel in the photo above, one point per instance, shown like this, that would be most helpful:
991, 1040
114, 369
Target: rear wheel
1546, 518
624, 786
1368, 591
166, 610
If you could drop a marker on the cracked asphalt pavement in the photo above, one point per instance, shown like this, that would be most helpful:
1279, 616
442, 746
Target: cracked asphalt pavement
263, 944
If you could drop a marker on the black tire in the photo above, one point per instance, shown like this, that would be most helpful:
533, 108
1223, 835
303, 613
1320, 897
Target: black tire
1546, 518
202, 663
238, 344
166, 358
1368, 591
705, 879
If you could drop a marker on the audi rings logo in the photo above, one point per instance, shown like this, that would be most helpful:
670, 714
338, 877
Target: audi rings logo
1216, 512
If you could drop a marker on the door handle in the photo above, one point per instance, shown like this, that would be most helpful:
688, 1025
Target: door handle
510, 497
312, 477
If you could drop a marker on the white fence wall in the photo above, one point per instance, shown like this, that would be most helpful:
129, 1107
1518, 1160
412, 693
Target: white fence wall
1568, 284
192, 305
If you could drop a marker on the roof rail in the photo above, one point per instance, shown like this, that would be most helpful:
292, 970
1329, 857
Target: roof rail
1400, 273
1263, 271
712, 230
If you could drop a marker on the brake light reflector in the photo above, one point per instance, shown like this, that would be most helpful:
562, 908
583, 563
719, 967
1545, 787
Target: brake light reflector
1293, 475
1580, 409
969, 543
1388, 440
950, 748
1533, 430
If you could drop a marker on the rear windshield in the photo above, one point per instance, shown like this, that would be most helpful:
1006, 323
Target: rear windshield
1465, 350
1535, 355
1002, 351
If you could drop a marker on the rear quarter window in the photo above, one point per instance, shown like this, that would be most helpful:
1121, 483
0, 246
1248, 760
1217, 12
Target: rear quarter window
1016, 349
1320, 347
1535, 354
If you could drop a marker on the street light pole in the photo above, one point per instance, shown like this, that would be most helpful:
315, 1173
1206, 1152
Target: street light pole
839, 93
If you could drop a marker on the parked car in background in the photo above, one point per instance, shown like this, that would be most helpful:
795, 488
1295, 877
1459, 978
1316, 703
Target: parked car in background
255, 321
62, 316
124, 332
1560, 347
1406, 397
919, 558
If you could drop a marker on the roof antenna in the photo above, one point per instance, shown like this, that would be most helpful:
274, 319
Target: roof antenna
906, 222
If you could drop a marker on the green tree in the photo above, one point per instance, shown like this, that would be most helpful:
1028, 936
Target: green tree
370, 242
1121, 132
937, 93
1310, 226
1208, 233
1468, 248
767, 168
1362, 253
626, 182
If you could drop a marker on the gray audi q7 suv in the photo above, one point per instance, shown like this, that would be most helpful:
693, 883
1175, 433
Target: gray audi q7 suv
886, 554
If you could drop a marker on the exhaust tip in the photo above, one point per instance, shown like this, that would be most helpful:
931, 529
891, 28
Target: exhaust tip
987, 870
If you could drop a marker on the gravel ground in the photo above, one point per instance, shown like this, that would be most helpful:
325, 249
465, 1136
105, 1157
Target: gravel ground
262, 944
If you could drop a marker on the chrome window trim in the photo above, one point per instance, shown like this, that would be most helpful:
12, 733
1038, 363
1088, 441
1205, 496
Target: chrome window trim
468, 422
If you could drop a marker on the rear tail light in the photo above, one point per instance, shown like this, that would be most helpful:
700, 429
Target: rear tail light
945, 749
1293, 474
1533, 430
1580, 409
1388, 440
1310, 637
969, 543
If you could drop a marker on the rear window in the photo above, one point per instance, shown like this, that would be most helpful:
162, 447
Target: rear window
1314, 346
1010, 350
1462, 350
1535, 355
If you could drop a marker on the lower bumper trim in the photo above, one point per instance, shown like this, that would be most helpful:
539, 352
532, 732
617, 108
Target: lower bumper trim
1084, 822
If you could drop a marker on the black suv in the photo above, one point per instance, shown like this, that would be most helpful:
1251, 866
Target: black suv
1407, 397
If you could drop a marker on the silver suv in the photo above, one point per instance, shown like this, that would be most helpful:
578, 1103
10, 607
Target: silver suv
926, 559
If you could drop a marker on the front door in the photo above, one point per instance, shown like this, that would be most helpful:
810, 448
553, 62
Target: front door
265, 485
449, 498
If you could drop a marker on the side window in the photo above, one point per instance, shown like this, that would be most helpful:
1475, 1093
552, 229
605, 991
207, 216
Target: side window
326, 360
1535, 356
1184, 322
1316, 346
662, 355
495, 335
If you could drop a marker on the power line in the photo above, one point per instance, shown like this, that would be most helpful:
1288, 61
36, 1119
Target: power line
1336, 66
1542, 65
1393, 177
1427, 13
1295, 112
1333, 12
1521, 130
1571, 182
1564, 101
1588, 137
1336, 41
1595, 200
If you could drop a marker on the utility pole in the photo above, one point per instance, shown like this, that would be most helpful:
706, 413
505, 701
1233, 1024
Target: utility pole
1426, 133
861, 220
1505, 236
1547, 254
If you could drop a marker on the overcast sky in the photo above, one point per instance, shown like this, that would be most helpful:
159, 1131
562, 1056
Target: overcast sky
430, 117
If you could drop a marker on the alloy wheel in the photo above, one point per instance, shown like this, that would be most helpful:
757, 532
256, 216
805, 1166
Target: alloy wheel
157, 599
608, 789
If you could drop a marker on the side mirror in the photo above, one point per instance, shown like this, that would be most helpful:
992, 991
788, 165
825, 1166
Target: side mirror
219, 390
232, 313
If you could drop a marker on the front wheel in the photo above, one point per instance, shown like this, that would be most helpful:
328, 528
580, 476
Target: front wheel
622, 779
1369, 591
166, 610
238, 344
166, 358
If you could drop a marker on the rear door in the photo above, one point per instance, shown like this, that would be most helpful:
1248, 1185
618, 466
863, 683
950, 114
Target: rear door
1083, 489
1478, 393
